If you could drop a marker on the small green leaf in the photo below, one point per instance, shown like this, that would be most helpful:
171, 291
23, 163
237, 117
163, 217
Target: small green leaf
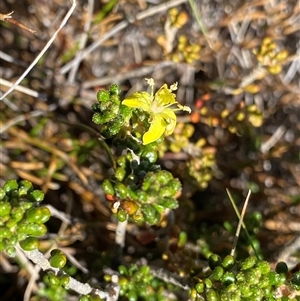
2, 194
11, 223
98, 119
36, 229
37, 195
53, 279
199, 287
38, 215
295, 280
103, 96
122, 215
121, 190
96, 108
10, 251
58, 260
245, 289
228, 262
123, 270
212, 295
169, 203
208, 283
159, 208
228, 278
193, 294
10, 185
248, 263
29, 244
25, 187
17, 213
218, 273
182, 239
120, 173
5, 209
132, 144
108, 187
2, 245
150, 155
5, 232
151, 216
214, 260
114, 89
264, 267
132, 295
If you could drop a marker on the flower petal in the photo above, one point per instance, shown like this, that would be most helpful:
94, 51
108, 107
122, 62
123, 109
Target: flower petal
164, 96
168, 114
138, 100
156, 130
170, 127
170, 118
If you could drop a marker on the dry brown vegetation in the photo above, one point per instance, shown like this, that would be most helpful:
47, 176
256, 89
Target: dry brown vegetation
43, 138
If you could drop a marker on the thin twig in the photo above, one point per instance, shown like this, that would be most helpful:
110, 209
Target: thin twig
99, 138
69, 253
158, 9
94, 46
64, 21
8, 58
65, 218
122, 25
83, 40
127, 75
200, 22
33, 270
81, 288
294, 68
26, 116
169, 278
10, 104
239, 217
121, 233
286, 252
238, 230
8, 18
242, 30
20, 25
22, 89
267, 145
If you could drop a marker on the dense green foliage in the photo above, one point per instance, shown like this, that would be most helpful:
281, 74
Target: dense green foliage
140, 190
137, 177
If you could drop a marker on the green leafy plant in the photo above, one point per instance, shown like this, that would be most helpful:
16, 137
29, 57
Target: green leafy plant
138, 197
142, 193
21, 218
250, 279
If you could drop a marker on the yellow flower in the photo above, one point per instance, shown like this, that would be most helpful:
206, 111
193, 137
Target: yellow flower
162, 117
